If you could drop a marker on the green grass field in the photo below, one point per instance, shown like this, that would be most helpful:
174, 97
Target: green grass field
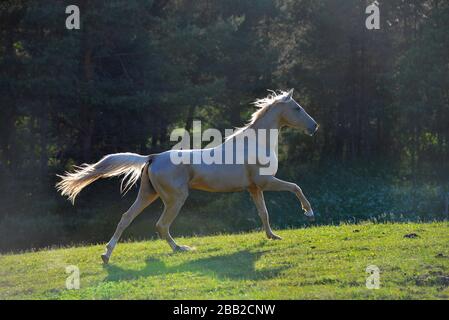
313, 263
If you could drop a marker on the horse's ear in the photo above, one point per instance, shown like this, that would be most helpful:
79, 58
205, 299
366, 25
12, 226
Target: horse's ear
290, 93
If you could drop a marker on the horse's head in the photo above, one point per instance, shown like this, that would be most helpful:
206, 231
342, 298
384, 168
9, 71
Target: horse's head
293, 115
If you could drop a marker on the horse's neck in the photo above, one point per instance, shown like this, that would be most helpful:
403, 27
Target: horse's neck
268, 122
266, 130
271, 125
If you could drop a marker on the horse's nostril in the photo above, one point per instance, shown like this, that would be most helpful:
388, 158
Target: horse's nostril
313, 129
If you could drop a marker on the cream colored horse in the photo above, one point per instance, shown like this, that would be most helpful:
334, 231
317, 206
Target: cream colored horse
160, 177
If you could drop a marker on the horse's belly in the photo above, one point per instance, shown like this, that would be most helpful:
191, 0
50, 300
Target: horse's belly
219, 178
214, 188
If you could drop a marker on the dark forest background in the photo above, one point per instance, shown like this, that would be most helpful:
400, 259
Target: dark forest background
137, 69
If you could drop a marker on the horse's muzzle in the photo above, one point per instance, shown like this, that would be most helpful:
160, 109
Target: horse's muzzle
311, 131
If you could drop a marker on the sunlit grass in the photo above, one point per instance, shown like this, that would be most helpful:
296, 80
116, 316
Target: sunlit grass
315, 263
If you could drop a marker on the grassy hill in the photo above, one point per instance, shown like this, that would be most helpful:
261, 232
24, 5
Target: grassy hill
313, 263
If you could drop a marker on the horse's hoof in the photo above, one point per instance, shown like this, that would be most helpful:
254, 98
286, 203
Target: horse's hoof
183, 248
274, 237
309, 214
105, 258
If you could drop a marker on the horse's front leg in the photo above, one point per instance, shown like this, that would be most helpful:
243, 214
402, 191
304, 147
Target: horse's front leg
259, 201
275, 184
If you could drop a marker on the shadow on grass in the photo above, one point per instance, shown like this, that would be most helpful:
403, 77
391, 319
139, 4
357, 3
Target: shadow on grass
238, 266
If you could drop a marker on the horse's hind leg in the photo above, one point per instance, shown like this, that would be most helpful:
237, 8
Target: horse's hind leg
173, 204
259, 201
145, 197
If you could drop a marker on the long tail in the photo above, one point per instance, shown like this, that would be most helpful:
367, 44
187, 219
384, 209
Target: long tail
128, 164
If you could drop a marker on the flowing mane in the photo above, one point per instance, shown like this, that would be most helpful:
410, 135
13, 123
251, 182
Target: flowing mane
262, 105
